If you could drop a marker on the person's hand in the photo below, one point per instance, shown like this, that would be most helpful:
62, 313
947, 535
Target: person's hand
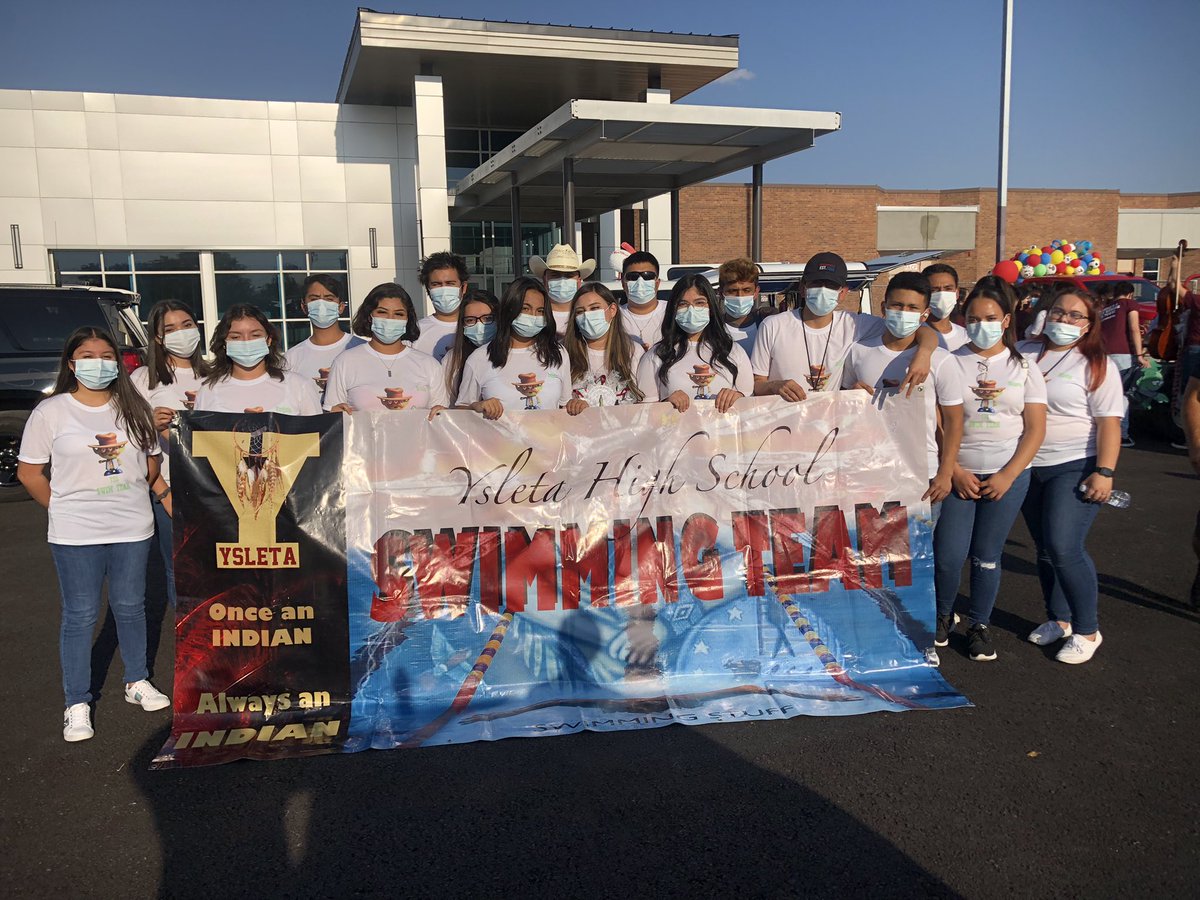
168, 506
966, 485
253, 409
435, 411
1096, 488
491, 409
863, 386
790, 391
343, 408
680, 401
162, 417
575, 406
996, 486
940, 486
726, 397
918, 371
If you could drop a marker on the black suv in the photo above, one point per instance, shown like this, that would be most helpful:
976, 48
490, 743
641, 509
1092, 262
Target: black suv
34, 322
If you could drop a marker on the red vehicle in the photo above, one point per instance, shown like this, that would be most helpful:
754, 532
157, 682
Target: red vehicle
1145, 292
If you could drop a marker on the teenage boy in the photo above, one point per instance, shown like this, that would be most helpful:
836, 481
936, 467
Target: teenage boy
804, 350
738, 280
643, 312
562, 273
323, 300
445, 278
943, 281
1123, 342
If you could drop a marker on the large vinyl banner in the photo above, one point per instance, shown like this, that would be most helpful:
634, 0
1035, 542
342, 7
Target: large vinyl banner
378, 580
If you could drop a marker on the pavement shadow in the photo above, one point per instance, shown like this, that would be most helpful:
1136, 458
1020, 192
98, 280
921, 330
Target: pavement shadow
664, 813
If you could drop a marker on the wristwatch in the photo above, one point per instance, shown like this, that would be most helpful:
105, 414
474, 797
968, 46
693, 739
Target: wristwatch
1105, 471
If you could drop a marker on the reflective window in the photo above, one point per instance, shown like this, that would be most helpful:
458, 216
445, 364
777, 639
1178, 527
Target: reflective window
153, 274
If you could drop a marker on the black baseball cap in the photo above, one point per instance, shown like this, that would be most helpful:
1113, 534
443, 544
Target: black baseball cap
826, 267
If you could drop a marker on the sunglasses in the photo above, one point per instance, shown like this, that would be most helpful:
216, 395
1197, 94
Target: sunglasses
644, 276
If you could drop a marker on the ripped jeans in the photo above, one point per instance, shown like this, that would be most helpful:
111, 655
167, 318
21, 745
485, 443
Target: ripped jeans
978, 529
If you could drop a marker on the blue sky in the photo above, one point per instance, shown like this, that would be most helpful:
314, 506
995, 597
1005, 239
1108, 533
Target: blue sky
1101, 96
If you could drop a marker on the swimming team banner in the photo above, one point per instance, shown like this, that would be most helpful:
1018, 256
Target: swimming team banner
378, 580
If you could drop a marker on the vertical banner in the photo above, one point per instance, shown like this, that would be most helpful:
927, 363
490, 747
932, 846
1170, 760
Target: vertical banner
260, 573
381, 580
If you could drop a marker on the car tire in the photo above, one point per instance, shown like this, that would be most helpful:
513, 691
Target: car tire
12, 425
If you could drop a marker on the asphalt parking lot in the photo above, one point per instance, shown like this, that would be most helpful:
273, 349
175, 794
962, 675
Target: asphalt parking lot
1061, 781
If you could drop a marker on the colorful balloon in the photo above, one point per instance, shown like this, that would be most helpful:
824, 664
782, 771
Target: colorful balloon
1008, 270
1039, 270
1056, 257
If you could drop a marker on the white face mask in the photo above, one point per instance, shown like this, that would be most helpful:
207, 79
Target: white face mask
445, 299
985, 335
639, 290
902, 323
182, 343
942, 303
322, 313
821, 301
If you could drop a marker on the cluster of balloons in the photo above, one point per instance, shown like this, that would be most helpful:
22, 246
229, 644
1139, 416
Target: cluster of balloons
1056, 258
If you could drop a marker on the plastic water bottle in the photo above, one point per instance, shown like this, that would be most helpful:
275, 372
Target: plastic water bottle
1116, 499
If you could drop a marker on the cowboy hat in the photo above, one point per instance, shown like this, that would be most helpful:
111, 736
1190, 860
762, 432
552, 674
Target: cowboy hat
561, 258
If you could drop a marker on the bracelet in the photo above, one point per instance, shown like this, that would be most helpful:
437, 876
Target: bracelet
159, 498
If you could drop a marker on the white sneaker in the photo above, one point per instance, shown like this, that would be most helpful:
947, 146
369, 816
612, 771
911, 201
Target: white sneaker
931, 657
1078, 649
1048, 633
146, 695
77, 723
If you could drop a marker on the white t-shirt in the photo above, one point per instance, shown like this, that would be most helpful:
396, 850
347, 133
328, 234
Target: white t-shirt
308, 359
679, 375
993, 424
744, 335
561, 319
295, 395
781, 351
952, 340
604, 387
1039, 322
437, 337
1071, 409
547, 387
179, 394
873, 363
645, 328
364, 377
93, 500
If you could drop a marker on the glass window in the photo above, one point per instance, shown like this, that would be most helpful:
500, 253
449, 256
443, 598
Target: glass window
259, 290
293, 261
295, 332
246, 261
327, 261
117, 261
185, 288
120, 282
77, 261
44, 325
85, 280
462, 139
1150, 268
164, 260
468, 161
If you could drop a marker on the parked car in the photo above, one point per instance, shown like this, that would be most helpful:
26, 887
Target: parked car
34, 323
1145, 292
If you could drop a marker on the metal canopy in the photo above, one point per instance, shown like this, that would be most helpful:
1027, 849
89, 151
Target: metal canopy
622, 153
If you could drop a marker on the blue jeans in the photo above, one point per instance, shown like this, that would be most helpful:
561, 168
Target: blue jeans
1059, 519
81, 574
977, 528
164, 534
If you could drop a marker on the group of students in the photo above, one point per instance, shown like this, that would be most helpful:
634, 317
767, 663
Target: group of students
1033, 427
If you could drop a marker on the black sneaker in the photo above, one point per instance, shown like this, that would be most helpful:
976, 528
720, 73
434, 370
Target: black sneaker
979, 644
945, 625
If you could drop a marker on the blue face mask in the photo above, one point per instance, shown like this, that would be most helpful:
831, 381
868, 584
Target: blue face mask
388, 331
692, 319
592, 324
736, 307
901, 322
562, 290
247, 353
527, 326
96, 374
1061, 333
821, 301
639, 290
480, 333
985, 335
445, 299
322, 313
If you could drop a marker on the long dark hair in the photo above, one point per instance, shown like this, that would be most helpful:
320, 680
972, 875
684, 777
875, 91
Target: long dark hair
158, 359
1091, 345
546, 345
132, 409
1001, 293
462, 347
618, 352
222, 366
673, 346
387, 291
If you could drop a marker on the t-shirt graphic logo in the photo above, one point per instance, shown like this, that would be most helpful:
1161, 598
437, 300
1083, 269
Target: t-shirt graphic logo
817, 377
395, 398
702, 376
528, 386
986, 389
109, 449
256, 470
